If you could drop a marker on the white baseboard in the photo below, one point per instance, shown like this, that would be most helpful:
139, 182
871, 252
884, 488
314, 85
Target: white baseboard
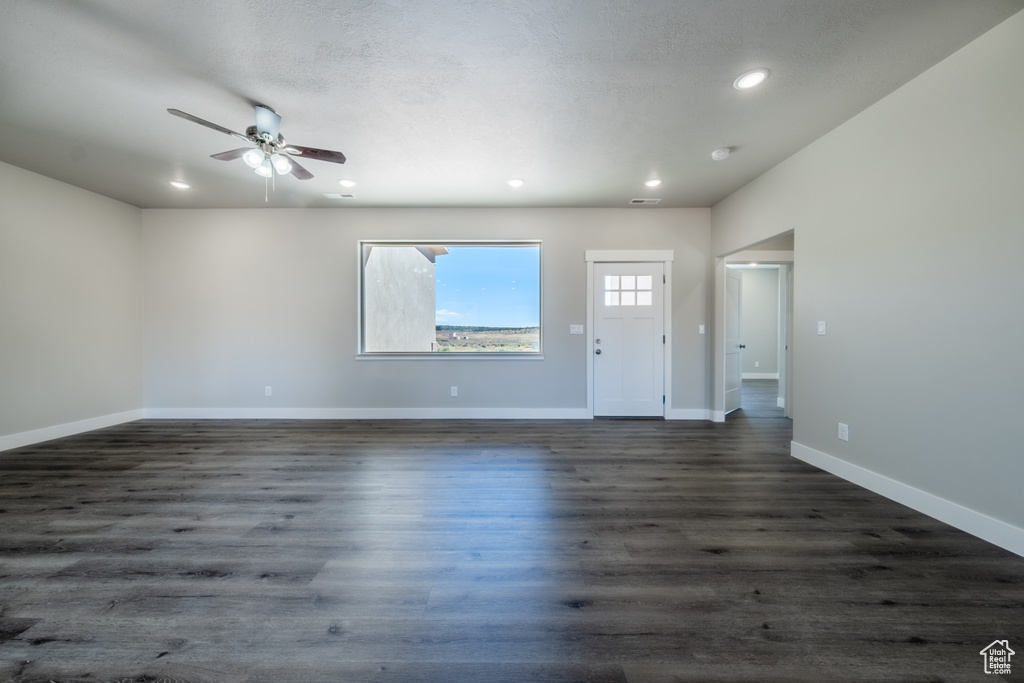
973, 522
367, 413
780, 402
35, 436
717, 415
396, 414
687, 414
760, 375
68, 429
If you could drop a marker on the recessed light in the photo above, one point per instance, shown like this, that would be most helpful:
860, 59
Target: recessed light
347, 183
516, 182
750, 79
180, 185
653, 182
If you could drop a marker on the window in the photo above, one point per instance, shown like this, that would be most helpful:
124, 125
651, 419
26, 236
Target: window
450, 297
628, 290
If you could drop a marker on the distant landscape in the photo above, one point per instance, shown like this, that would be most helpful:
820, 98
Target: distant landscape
461, 338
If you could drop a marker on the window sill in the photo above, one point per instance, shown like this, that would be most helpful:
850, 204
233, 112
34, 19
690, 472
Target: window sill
468, 355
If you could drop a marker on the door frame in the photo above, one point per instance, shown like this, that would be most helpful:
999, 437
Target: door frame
663, 256
718, 348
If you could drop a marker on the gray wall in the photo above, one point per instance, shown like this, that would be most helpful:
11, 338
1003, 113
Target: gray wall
70, 304
909, 225
240, 299
759, 320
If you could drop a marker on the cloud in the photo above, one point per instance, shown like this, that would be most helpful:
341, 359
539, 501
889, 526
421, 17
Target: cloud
446, 314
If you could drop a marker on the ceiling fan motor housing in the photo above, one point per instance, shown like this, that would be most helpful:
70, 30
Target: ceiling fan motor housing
264, 141
268, 123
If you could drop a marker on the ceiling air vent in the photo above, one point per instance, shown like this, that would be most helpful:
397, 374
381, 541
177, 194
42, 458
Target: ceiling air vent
644, 201
338, 195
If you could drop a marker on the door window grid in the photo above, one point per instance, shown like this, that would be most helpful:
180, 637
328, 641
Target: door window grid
628, 290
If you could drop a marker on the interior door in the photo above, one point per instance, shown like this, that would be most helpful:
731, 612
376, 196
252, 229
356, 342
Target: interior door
629, 339
733, 345
789, 343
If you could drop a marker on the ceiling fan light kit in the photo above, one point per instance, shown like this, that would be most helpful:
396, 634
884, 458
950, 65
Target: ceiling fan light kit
253, 158
281, 163
265, 170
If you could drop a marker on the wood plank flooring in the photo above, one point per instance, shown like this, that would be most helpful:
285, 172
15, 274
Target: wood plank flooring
422, 551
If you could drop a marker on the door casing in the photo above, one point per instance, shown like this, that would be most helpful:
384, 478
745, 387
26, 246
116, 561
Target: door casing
718, 348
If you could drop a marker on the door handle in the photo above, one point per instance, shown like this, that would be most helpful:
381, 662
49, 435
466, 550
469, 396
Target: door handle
743, 346
598, 352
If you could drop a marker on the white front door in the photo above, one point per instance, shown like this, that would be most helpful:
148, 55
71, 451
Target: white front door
733, 346
629, 339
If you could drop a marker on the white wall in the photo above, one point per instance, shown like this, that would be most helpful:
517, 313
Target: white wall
70, 309
240, 299
909, 225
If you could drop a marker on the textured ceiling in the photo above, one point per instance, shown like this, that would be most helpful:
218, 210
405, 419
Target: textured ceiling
439, 102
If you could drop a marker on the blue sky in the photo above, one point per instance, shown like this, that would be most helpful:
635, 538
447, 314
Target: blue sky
489, 286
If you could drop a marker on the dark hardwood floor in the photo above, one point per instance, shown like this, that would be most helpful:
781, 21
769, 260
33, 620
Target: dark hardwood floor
427, 551
760, 398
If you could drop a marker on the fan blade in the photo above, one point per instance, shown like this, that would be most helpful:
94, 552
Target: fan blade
299, 172
233, 154
318, 154
202, 122
268, 121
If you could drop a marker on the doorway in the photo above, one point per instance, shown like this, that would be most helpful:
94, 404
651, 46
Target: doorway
739, 357
755, 333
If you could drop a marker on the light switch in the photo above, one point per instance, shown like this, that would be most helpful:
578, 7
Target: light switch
821, 327
575, 329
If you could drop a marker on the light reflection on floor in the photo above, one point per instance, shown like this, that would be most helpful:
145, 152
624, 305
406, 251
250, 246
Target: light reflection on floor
464, 539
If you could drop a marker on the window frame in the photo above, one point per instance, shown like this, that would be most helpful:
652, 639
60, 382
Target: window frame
363, 354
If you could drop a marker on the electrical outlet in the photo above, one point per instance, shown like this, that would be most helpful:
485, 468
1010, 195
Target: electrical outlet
455, 391
844, 432
757, 363
268, 390
575, 329
701, 329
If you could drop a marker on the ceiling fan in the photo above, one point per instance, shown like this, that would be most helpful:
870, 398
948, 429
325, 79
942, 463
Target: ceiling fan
271, 153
